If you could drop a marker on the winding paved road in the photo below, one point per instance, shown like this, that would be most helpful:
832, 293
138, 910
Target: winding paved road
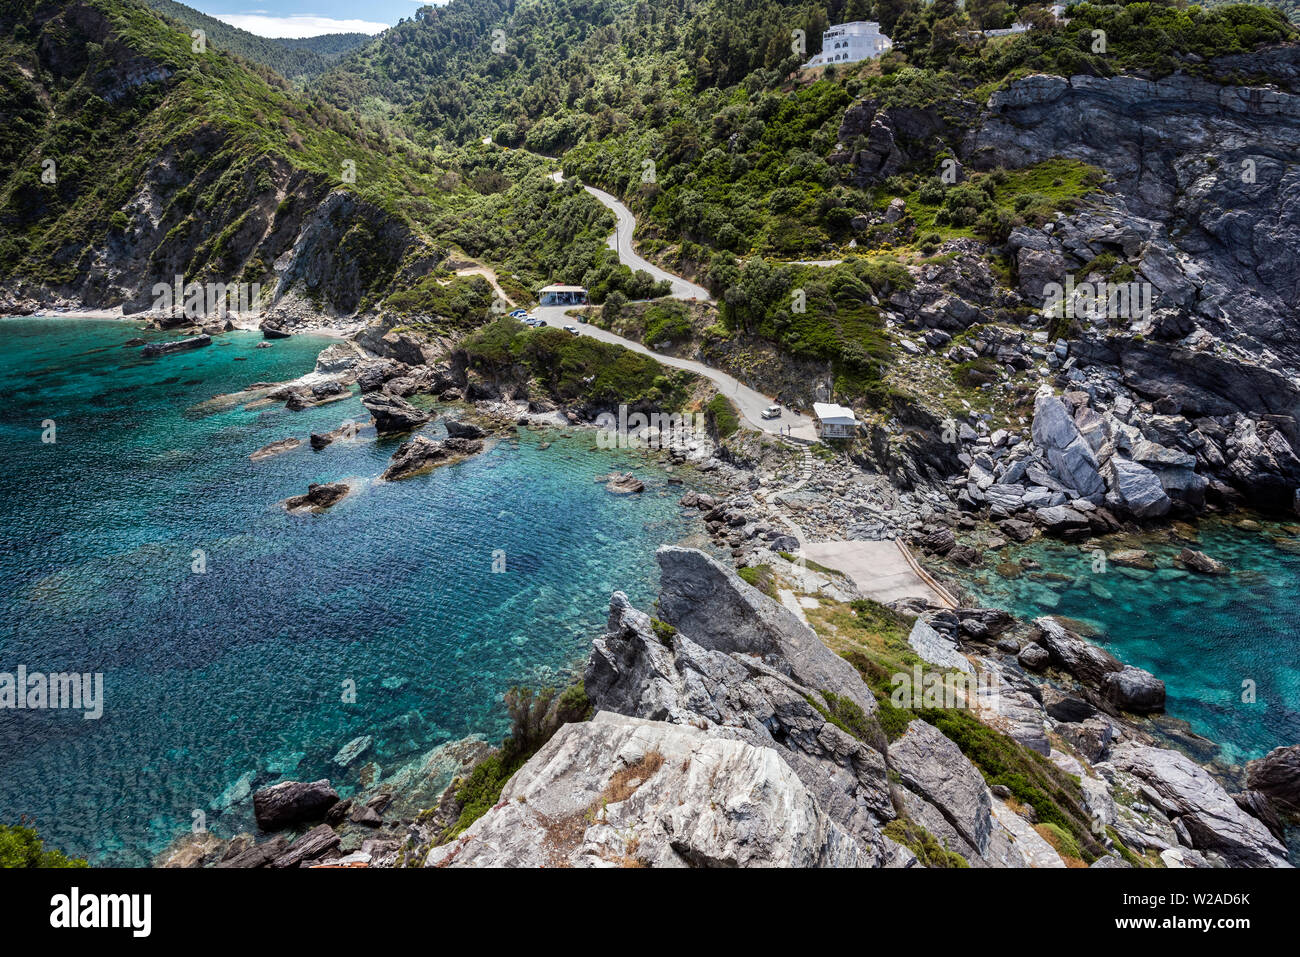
749, 402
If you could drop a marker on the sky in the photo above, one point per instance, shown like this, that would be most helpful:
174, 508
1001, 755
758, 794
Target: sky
308, 18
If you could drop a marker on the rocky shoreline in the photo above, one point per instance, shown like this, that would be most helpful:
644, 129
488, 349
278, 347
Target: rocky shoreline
1059, 696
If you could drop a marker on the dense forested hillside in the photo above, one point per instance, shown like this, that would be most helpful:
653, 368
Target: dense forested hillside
695, 112
295, 59
128, 158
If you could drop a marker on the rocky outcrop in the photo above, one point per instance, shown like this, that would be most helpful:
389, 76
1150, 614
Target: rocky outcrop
622, 483
293, 802
155, 349
319, 497
709, 602
422, 454
1122, 686
620, 790
666, 675
392, 414
1205, 817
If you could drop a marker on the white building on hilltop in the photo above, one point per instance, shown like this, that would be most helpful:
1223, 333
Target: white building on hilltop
850, 43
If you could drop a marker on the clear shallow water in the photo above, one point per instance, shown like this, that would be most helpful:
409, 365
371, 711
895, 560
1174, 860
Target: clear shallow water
211, 677
1203, 635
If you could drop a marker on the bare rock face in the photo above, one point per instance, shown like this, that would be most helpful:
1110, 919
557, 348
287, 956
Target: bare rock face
293, 802
935, 770
622, 790
1210, 819
393, 414
720, 612
637, 671
1071, 457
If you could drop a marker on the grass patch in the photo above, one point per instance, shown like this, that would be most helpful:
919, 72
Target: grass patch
761, 577
922, 843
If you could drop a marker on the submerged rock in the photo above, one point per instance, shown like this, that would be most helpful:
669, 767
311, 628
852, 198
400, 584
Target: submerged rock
275, 448
154, 349
1196, 561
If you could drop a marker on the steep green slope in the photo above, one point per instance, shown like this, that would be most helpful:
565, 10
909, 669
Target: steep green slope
694, 110
293, 58
131, 158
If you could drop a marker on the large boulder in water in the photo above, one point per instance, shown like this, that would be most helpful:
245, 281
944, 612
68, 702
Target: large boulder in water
463, 430
1277, 774
1133, 689
293, 802
319, 497
423, 453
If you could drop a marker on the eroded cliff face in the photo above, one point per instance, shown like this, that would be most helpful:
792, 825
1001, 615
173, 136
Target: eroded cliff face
1209, 173
728, 734
1200, 210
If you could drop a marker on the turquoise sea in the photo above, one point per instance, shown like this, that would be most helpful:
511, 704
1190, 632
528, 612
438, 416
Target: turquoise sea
1215, 641
240, 671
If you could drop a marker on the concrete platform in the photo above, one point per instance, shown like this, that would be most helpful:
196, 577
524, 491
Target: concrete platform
879, 569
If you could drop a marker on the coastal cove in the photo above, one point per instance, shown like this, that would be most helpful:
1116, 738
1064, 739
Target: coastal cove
1213, 639
228, 679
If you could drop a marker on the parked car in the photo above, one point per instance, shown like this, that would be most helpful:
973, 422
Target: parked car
572, 329
518, 313
771, 412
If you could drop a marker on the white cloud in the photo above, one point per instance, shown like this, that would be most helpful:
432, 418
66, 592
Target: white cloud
298, 25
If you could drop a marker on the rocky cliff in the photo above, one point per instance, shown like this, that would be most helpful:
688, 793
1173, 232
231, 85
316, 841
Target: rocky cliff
728, 734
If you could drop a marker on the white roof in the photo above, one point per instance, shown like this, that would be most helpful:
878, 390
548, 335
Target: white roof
829, 412
562, 288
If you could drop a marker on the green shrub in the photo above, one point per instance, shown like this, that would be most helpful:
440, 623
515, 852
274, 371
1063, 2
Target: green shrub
22, 847
922, 843
722, 417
